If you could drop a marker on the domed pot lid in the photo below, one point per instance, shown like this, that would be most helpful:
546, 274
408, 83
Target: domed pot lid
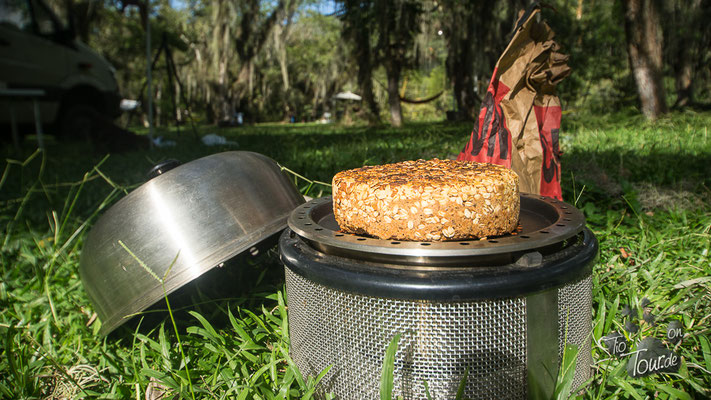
183, 222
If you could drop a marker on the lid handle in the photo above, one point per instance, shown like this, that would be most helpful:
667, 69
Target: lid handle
162, 167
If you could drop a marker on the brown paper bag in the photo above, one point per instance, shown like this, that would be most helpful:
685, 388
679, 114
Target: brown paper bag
519, 120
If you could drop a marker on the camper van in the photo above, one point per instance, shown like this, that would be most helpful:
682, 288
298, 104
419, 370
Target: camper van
39, 55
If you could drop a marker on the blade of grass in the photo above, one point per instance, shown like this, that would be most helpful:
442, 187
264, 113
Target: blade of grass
22, 164
462, 385
140, 262
292, 368
386, 377
175, 327
706, 350
567, 372
628, 389
164, 347
674, 393
427, 390
58, 367
167, 303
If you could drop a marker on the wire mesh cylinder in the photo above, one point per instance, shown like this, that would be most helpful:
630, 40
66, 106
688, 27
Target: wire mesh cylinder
488, 340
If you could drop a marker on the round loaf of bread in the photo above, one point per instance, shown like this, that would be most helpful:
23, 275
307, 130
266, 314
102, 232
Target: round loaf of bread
427, 200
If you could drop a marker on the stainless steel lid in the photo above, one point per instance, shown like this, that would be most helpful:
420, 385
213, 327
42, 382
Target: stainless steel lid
184, 221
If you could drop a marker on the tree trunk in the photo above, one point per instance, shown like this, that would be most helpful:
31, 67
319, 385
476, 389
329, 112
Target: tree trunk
365, 81
86, 14
280, 50
223, 97
157, 105
247, 37
460, 66
465, 25
357, 28
644, 47
684, 23
393, 72
280, 34
683, 74
281, 37
221, 53
579, 10
365, 76
398, 23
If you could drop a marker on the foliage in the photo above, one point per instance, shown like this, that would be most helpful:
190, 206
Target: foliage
600, 80
644, 188
308, 55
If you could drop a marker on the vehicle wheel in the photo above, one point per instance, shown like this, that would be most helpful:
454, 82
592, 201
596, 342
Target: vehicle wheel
78, 122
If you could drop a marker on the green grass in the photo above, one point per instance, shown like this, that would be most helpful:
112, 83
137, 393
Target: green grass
643, 187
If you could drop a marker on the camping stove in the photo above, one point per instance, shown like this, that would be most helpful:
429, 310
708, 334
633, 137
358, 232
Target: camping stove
499, 310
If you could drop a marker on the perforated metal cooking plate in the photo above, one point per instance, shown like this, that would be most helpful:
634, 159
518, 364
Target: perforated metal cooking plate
544, 221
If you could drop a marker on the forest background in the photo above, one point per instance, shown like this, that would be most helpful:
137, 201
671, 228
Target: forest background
282, 60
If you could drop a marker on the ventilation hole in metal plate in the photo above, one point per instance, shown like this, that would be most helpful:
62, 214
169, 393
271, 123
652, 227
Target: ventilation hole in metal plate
318, 229
564, 207
339, 235
544, 231
361, 239
493, 241
559, 224
425, 244
525, 237
567, 212
308, 223
301, 217
566, 219
394, 242
464, 243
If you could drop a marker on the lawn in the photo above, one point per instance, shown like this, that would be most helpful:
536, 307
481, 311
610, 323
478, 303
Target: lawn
645, 189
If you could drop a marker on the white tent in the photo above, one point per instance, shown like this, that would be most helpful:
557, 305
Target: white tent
347, 96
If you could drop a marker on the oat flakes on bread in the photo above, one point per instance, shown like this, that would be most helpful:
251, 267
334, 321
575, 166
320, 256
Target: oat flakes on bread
427, 200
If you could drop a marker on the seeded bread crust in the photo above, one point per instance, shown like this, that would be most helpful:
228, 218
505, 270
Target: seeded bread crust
427, 200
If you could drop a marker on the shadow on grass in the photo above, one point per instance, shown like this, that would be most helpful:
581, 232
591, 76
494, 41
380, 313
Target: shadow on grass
608, 175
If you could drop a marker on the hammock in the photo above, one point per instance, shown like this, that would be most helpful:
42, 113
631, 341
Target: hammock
413, 101
420, 101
